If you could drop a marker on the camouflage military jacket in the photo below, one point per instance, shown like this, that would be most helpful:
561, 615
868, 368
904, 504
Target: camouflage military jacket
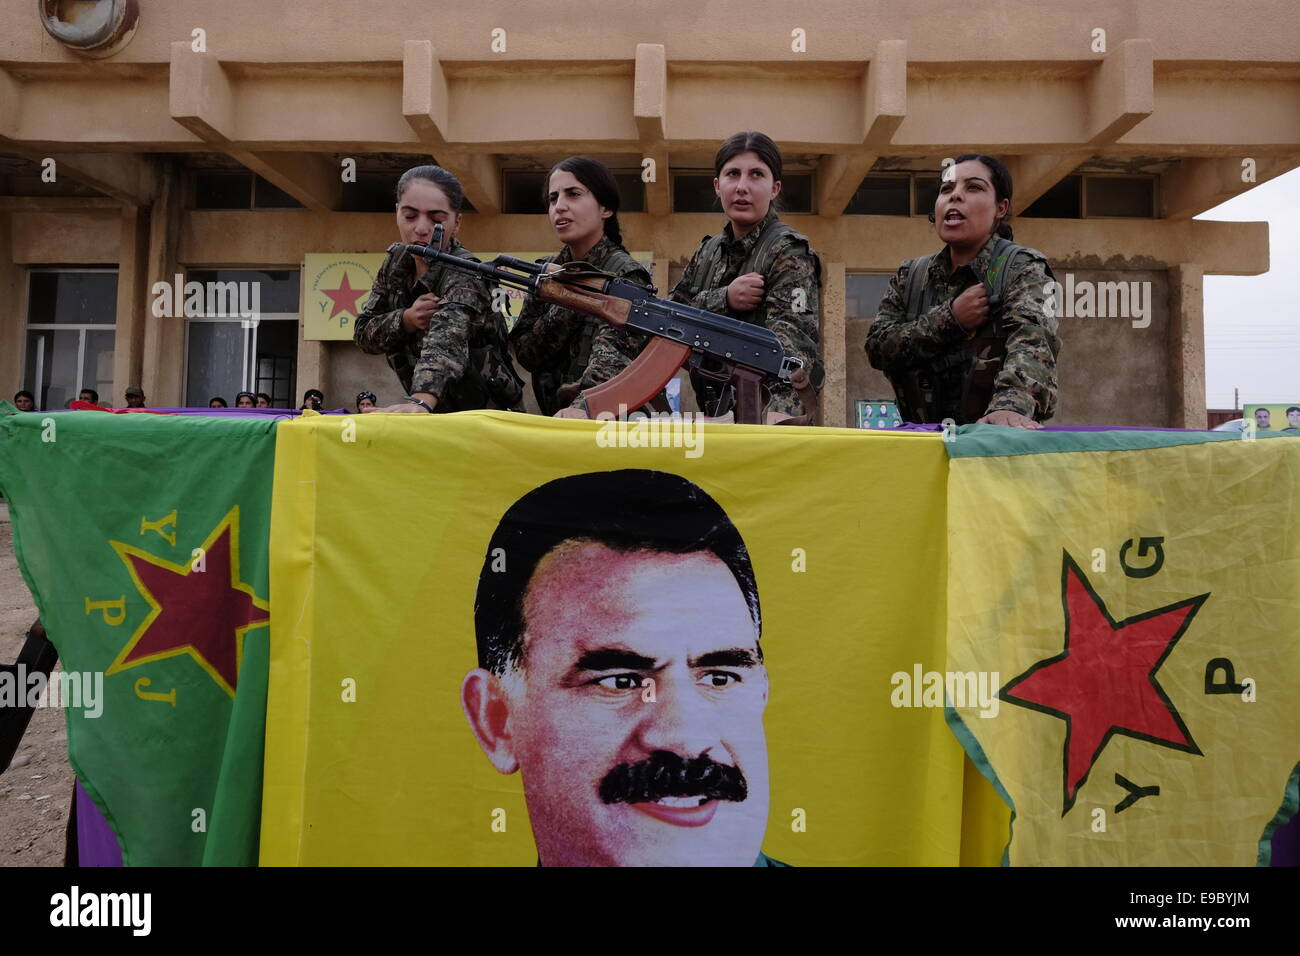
898, 344
791, 305
559, 346
463, 358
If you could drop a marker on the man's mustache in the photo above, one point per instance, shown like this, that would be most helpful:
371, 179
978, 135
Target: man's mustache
665, 774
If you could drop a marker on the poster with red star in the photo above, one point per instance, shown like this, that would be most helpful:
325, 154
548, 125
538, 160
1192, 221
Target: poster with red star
1136, 622
334, 291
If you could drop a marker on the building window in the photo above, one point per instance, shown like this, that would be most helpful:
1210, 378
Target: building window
1131, 197
71, 325
887, 195
1062, 201
863, 293
239, 190
372, 192
227, 354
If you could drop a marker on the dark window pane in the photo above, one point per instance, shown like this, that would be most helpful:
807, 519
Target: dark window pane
693, 192
523, 193
223, 190
1062, 201
862, 294
1132, 196
267, 195
881, 196
277, 288
372, 192
796, 193
72, 298
215, 362
51, 373
926, 190
631, 192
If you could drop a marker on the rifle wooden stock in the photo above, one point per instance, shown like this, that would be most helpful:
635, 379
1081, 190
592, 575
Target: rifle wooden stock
641, 381
579, 297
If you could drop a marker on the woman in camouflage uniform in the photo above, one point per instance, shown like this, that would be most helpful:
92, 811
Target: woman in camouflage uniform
757, 269
435, 324
949, 351
567, 352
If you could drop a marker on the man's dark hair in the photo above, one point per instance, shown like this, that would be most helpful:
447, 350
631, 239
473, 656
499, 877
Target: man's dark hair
263, 395
630, 510
1293, 408
24, 394
596, 176
94, 395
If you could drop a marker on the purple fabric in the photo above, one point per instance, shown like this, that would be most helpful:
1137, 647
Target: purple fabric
1286, 844
96, 842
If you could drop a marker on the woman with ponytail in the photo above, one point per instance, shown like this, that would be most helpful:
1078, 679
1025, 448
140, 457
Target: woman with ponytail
968, 333
567, 352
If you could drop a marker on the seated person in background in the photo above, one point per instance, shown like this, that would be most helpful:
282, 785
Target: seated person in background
245, 400
263, 400
366, 402
217, 402
313, 398
25, 401
90, 395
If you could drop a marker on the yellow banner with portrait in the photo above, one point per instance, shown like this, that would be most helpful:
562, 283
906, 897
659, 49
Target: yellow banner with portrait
571, 643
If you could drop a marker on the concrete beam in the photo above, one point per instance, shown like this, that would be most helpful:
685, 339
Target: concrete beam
884, 106
424, 93
650, 110
1034, 175
1187, 346
307, 177
479, 175
199, 94
122, 177
56, 203
1120, 92
10, 90
132, 302
1196, 185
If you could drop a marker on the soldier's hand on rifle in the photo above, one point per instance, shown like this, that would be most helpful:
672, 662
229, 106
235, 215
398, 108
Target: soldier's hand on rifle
416, 318
971, 308
745, 292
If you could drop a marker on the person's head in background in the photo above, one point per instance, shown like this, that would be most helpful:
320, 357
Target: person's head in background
25, 401
262, 400
90, 395
245, 400
314, 399
366, 401
134, 396
216, 402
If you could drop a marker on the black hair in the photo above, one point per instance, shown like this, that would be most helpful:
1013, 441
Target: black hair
249, 394
751, 141
1293, 408
313, 391
369, 395
630, 510
596, 176
217, 398
262, 395
94, 395
439, 177
1001, 187
24, 394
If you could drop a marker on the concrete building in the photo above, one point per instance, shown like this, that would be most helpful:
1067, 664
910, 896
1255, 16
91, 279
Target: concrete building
213, 140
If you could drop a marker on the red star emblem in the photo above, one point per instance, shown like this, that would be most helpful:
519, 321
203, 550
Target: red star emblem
1104, 682
345, 297
201, 613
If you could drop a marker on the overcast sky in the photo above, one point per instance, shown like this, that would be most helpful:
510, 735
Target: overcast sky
1252, 323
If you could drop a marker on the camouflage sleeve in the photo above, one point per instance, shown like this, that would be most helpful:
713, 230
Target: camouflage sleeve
710, 300
896, 343
1027, 381
444, 353
541, 334
792, 294
613, 348
378, 329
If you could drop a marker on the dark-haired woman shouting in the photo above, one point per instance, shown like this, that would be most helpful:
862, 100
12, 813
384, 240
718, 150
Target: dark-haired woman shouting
757, 269
567, 352
968, 333
436, 324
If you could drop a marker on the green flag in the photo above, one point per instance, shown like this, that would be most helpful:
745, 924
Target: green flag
143, 539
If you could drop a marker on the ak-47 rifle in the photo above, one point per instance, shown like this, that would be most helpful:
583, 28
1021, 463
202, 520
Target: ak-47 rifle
717, 347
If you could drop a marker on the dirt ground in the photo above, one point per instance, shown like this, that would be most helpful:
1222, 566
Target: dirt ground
36, 790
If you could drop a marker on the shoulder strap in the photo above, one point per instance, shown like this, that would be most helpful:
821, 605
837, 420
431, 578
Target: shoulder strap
917, 293
764, 251
708, 250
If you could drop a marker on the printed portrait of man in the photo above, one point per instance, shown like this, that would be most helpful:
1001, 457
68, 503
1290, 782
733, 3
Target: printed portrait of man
1262, 419
1292, 419
621, 673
